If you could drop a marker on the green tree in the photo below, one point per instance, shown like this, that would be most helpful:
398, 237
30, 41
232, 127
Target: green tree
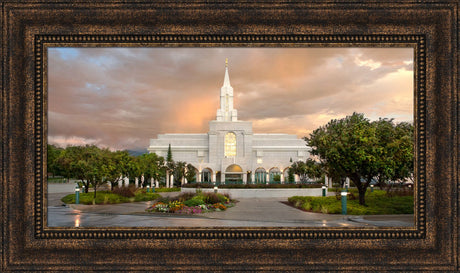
291, 177
313, 169
53, 153
190, 173
179, 171
134, 167
299, 168
169, 157
354, 147
119, 166
67, 162
397, 149
151, 166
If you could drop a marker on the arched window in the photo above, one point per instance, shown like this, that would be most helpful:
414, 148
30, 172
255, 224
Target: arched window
260, 176
206, 175
275, 175
230, 145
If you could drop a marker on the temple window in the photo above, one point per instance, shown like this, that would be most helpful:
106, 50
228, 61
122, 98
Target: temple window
230, 145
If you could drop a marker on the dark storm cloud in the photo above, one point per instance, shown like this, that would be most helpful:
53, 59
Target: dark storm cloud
121, 97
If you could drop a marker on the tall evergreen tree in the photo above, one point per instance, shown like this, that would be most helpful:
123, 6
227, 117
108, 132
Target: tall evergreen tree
169, 156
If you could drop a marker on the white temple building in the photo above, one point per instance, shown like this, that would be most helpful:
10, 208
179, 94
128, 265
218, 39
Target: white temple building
230, 151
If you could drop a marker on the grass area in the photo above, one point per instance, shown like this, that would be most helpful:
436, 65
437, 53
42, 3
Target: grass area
253, 186
56, 180
107, 197
377, 202
175, 189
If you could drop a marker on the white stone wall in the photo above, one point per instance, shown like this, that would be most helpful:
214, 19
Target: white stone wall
207, 150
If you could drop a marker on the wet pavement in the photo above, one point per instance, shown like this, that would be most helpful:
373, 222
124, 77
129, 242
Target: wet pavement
248, 212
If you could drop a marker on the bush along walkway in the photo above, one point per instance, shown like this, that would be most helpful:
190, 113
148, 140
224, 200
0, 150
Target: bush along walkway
192, 203
377, 203
118, 195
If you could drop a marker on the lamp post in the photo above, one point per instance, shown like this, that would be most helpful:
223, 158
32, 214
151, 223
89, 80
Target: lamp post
372, 188
324, 190
344, 202
148, 188
77, 195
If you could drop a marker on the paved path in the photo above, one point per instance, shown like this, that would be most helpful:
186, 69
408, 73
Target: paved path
256, 212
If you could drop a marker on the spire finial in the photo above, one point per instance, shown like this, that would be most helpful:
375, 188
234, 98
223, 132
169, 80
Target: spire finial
226, 62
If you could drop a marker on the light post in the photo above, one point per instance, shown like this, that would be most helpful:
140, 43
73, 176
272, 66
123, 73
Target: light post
344, 202
148, 188
77, 195
324, 190
372, 188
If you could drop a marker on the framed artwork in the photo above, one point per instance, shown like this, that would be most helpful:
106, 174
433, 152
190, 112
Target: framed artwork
71, 69
120, 97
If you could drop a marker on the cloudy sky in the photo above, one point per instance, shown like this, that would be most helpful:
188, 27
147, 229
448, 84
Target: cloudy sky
121, 97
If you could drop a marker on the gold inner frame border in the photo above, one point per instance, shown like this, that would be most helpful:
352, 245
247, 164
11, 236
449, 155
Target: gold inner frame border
417, 42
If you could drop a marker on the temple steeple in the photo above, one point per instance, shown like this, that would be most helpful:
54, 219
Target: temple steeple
226, 111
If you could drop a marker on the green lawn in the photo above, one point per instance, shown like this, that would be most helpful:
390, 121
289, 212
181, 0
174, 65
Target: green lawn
107, 197
377, 202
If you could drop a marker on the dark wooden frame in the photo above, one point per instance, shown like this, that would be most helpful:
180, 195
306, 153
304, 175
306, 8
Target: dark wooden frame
28, 28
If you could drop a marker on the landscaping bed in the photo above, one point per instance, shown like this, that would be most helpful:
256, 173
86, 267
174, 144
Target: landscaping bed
192, 203
377, 203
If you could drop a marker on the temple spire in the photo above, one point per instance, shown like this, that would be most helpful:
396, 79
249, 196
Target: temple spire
226, 77
226, 111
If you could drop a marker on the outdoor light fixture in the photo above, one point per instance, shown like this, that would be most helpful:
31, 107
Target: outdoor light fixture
77, 195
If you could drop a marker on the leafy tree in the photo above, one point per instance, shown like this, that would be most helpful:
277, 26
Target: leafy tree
308, 169
397, 150
179, 171
67, 162
299, 168
151, 166
134, 167
83, 165
53, 153
354, 147
190, 173
313, 169
119, 166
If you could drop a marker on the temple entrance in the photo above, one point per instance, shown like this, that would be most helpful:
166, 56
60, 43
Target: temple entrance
233, 174
206, 175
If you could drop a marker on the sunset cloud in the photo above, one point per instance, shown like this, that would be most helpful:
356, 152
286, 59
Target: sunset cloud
122, 97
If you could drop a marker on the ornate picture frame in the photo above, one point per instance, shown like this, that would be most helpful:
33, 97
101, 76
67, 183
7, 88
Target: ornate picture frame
29, 28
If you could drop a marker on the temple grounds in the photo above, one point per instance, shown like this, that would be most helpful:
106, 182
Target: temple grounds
249, 212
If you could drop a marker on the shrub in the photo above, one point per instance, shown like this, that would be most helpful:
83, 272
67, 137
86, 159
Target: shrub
125, 191
194, 202
175, 189
211, 198
184, 196
377, 202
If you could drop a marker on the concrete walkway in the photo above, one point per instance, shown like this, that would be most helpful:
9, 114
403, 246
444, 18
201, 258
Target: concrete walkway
248, 212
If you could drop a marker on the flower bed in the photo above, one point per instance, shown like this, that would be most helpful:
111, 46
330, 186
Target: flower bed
193, 203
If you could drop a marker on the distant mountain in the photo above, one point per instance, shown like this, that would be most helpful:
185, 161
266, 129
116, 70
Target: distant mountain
137, 152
